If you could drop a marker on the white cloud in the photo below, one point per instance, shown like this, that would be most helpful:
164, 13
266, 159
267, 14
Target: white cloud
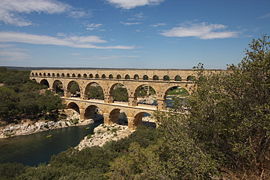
10, 10
91, 27
130, 23
129, 4
265, 16
201, 30
158, 24
77, 14
13, 54
69, 41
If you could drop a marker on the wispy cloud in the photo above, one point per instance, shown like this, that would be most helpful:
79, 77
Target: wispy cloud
10, 10
78, 14
130, 23
129, 4
69, 41
13, 54
202, 31
158, 24
110, 57
265, 16
93, 26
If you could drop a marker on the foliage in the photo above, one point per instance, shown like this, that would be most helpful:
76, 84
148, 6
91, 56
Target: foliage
119, 93
94, 92
144, 91
11, 170
230, 112
74, 88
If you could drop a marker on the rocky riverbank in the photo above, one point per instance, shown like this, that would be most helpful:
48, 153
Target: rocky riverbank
26, 127
103, 134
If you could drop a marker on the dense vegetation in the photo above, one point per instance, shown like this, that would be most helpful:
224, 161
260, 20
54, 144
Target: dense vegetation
226, 133
21, 98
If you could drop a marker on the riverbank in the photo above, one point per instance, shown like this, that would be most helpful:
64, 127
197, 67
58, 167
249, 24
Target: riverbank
103, 134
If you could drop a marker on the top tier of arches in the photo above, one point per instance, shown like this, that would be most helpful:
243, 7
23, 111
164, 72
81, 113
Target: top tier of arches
110, 76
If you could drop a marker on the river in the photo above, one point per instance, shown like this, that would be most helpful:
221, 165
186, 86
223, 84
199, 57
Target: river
38, 148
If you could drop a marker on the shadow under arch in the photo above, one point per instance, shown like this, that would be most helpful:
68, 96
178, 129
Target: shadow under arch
93, 112
44, 83
74, 106
58, 87
143, 118
94, 91
118, 92
145, 94
118, 117
73, 89
176, 96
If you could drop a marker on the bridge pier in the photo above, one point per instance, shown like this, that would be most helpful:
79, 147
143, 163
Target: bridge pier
161, 104
131, 123
132, 101
82, 112
106, 117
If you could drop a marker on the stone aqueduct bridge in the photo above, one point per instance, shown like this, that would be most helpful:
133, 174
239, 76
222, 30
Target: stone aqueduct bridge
160, 80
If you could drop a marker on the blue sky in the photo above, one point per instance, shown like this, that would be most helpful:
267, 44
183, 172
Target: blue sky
129, 33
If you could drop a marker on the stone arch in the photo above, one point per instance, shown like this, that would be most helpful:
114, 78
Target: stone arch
173, 92
118, 117
155, 77
33, 74
127, 77
34, 80
191, 78
40, 74
145, 77
138, 120
166, 78
74, 106
44, 74
68, 75
36, 74
177, 78
145, 94
57, 75
49, 74
93, 112
118, 76
91, 75
53, 74
79, 75
73, 75
58, 87
94, 91
45, 83
97, 76
63, 75
110, 76
103, 76
84, 75
118, 92
136, 77
73, 89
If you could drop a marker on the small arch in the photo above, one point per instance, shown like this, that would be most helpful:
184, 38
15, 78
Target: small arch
136, 77
145, 77
44, 83
79, 75
53, 75
118, 76
166, 78
73, 75
49, 75
110, 76
127, 77
68, 75
36, 74
191, 78
40, 74
91, 76
33, 74
94, 91
57, 75
74, 89
155, 77
103, 76
63, 75
143, 118
118, 92
96, 76
178, 78
73, 106
44, 74
58, 87
84, 75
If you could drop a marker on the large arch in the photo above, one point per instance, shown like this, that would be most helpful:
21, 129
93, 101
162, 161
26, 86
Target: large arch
74, 106
58, 87
118, 92
93, 112
94, 91
145, 94
44, 83
175, 96
142, 118
118, 117
74, 89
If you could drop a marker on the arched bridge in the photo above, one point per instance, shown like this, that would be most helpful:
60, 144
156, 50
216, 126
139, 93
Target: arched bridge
107, 80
